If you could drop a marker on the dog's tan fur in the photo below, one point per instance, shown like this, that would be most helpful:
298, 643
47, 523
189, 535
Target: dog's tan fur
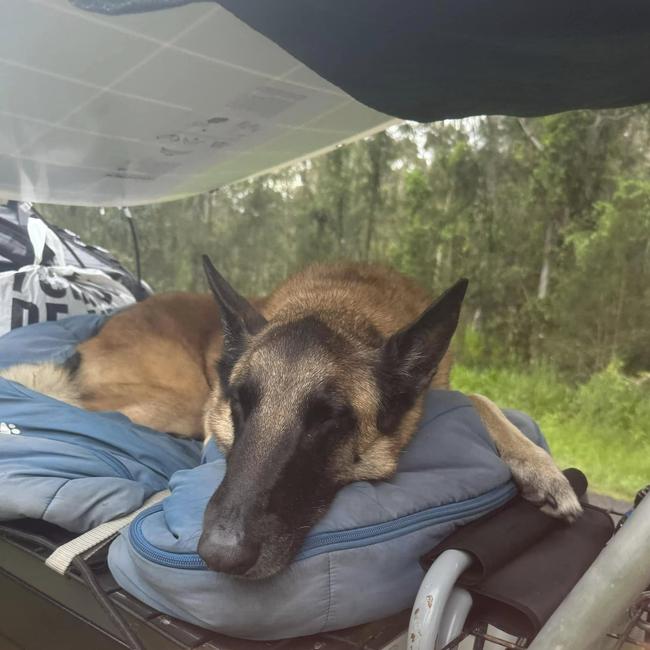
155, 363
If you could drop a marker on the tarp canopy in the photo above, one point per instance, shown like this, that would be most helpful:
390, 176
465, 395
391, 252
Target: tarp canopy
119, 102
427, 60
132, 109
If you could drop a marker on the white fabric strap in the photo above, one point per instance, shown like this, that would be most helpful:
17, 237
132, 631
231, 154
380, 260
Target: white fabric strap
61, 559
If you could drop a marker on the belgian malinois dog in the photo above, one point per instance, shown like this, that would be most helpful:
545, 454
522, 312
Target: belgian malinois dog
316, 386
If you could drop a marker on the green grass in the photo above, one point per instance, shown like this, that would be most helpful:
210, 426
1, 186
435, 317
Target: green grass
602, 427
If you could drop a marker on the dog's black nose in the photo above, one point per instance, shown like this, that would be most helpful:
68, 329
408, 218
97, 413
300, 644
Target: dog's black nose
227, 552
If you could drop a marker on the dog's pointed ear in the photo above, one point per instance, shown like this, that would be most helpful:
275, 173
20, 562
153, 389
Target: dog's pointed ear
238, 317
409, 358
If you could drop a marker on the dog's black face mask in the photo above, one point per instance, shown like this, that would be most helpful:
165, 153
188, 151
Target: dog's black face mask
279, 480
299, 414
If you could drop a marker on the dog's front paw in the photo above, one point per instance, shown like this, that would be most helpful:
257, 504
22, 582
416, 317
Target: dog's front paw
544, 485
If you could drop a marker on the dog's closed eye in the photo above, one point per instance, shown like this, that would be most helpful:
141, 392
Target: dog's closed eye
243, 399
319, 411
326, 421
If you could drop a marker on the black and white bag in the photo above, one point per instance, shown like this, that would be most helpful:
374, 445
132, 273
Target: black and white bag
47, 273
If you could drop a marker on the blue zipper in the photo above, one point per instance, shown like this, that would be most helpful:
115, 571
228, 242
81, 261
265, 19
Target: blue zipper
340, 540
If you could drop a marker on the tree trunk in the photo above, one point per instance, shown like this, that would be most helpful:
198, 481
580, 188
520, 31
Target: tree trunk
617, 319
542, 289
340, 222
376, 155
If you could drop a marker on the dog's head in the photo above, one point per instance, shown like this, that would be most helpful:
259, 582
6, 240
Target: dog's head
304, 406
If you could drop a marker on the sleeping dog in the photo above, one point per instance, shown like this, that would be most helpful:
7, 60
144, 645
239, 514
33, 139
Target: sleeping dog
320, 384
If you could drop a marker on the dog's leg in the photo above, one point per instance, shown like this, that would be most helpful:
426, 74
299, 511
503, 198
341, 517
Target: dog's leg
155, 407
166, 417
533, 469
